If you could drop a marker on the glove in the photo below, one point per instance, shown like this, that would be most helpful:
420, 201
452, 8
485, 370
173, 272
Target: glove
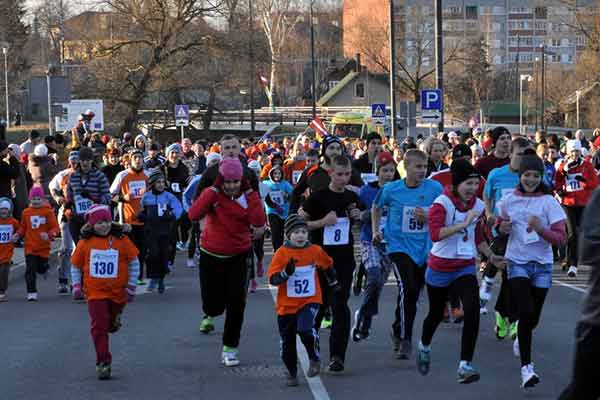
130, 293
580, 178
84, 193
290, 267
77, 293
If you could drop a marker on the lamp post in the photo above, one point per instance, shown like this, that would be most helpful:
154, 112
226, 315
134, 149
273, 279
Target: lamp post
578, 94
528, 78
313, 63
392, 72
48, 73
543, 101
537, 91
5, 52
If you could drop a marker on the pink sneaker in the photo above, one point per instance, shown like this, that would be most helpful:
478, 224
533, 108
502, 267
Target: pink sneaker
259, 269
253, 286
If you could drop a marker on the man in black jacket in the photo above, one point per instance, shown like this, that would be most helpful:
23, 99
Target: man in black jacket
9, 170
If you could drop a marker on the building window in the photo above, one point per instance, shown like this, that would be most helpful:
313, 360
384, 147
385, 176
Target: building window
541, 12
555, 58
497, 60
35, 109
555, 42
519, 10
332, 84
540, 26
359, 90
498, 10
471, 12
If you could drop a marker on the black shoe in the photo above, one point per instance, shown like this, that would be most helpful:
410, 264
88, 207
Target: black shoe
291, 380
103, 371
405, 350
336, 365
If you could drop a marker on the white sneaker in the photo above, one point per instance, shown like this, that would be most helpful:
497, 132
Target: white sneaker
572, 273
229, 357
32, 297
191, 263
483, 310
485, 290
528, 376
3, 297
516, 348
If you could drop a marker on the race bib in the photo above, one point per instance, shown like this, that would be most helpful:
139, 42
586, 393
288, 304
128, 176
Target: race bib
296, 176
37, 221
302, 283
104, 264
410, 224
6, 232
161, 209
368, 178
82, 204
572, 184
137, 188
277, 197
464, 247
338, 234
175, 187
529, 237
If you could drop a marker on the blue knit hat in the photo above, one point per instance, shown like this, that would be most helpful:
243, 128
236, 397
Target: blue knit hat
174, 147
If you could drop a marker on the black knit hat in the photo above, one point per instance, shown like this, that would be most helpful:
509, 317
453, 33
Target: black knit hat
373, 136
499, 131
293, 222
462, 170
154, 175
531, 163
86, 154
329, 139
461, 150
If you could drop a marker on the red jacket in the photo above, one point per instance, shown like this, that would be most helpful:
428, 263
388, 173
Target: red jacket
228, 221
576, 184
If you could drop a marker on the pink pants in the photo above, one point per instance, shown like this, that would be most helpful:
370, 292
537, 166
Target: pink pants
102, 313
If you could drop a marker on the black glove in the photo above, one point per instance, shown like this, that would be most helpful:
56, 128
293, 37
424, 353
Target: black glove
580, 178
290, 267
84, 193
142, 216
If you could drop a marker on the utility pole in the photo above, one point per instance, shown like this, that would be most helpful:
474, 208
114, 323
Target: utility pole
439, 56
537, 91
517, 60
392, 72
313, 62
252, 74
543, 103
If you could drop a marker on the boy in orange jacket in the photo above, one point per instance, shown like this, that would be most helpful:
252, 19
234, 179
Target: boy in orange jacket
38, 228
8, 227
294, 270
106, 262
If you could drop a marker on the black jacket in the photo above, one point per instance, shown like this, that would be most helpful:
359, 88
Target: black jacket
8, 171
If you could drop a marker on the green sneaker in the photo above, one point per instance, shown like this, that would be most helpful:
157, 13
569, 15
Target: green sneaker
207, 325
501, 327
514, 329
229, 356
103, 371
326, 323
141, 282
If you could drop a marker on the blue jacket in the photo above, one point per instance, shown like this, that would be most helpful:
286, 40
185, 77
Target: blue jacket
159, 212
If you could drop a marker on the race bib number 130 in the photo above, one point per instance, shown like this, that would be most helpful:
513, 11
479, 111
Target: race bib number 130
104, 264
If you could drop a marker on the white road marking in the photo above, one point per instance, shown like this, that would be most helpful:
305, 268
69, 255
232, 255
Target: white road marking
576, 288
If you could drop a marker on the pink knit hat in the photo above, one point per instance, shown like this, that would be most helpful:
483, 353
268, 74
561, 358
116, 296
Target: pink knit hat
231, 169
98, 213
36, 191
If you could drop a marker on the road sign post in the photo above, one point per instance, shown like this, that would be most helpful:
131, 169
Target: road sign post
378, 113
182, 117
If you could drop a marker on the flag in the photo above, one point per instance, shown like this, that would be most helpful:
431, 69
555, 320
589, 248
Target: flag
265, 84
319, 128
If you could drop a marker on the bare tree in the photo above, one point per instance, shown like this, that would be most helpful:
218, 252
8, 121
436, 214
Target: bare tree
50, 16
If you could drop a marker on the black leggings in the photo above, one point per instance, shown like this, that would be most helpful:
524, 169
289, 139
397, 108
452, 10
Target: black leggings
184, 224
194, 238
276, 223
574, 215
528, 301
466, 289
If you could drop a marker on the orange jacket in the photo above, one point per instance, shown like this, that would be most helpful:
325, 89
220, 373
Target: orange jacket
34, 221
135, 184
292, 170
8, 227
313, 256
113, 281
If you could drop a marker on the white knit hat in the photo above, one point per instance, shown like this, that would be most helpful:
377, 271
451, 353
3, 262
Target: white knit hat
573, 144
40, 150
211, 157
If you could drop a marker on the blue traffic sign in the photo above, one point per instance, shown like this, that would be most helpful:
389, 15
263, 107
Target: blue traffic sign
432, 99
182, 114
378, 110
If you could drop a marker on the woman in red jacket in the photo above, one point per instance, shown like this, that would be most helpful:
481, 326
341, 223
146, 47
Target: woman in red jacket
233, 216
575, 181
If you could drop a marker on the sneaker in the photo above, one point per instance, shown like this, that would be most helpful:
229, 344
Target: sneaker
63, 288
516, 349
32, 297
405, 350
423, 360
314, 368
3, 298
181, 246
514, 330
116, 324
356, 335
207, 325
395, 341
458, 315
467, 374
161, 286
528, 376
260, 271
291, 380
140, 282
253, 286
336, 364
229, 356
191, 263
358, 282
483, 309
151, 286
572, 273
103, 371
326, 323
501, 327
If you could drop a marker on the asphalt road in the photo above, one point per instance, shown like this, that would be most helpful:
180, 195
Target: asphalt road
46, 351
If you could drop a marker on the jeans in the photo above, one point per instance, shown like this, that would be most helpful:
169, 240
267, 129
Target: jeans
539, 275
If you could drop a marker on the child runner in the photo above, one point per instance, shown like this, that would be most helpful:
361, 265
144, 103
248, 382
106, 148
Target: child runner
160, 211
277, 204
294, 270
330, 213
8, 227
105, 263
377, 263
38, 228
407, 240
537, 223
455, 228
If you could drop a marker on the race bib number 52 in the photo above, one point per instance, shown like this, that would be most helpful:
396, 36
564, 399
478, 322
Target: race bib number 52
302, 283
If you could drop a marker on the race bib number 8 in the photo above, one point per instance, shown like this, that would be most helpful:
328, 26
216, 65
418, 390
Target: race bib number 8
302, 283
338, 234
410, 224
137, 188
104, 264
6, 232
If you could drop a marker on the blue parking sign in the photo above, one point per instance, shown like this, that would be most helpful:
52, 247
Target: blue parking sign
432, 99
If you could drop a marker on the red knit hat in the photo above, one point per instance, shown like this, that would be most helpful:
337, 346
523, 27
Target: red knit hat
384, 158
98, 213
231, 169
36, 191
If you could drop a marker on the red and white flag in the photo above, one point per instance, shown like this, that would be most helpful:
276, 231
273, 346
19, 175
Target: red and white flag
319, 127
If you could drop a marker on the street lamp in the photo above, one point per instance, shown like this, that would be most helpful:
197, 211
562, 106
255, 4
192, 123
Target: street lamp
578, 94
48, 79
5, 52
312, 62
527, 78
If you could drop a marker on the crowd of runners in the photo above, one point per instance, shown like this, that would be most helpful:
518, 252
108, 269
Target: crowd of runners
451, 215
